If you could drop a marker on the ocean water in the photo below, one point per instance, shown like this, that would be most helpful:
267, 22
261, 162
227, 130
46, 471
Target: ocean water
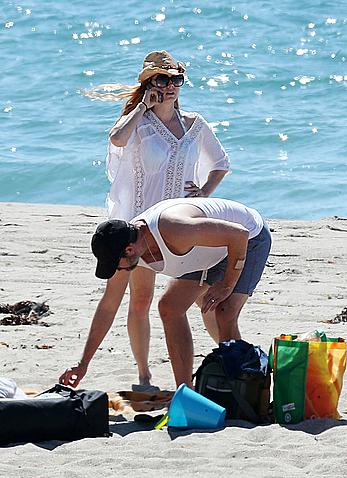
269, 76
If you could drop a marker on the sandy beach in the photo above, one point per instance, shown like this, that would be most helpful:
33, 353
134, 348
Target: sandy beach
45, 257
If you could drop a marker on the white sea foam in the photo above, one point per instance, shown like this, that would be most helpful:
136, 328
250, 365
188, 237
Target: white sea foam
159, 17
301, 51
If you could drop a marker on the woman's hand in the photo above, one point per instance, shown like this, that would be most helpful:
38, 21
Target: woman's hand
193, 190
214, 178
72, 376
152, 97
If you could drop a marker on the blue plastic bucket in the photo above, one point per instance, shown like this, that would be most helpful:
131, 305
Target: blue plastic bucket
189, 409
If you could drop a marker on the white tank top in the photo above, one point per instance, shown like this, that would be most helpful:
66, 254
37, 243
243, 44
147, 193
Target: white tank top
199, 257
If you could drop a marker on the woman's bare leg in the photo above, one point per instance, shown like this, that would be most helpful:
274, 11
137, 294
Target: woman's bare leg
141, 294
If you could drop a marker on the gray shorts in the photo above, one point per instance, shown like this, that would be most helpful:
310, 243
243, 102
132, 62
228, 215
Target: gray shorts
258, 250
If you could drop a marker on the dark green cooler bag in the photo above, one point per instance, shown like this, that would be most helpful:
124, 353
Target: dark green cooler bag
243, 388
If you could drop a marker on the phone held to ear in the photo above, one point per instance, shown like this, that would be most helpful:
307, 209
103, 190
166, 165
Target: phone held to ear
159, 93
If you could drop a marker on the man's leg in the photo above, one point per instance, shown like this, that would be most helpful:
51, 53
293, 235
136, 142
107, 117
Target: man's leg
173, 305
227, 314
141, 294
209, 321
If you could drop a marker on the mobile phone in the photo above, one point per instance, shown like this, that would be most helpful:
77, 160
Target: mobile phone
160, 97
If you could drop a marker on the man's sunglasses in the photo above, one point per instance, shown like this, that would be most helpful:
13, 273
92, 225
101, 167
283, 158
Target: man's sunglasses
130, 268
161, 81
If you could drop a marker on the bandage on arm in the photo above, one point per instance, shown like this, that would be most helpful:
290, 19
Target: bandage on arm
239, 264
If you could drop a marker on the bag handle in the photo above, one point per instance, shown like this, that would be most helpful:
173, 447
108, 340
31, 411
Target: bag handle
62, 389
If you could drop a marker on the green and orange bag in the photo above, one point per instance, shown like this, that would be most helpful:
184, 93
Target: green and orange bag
307, 376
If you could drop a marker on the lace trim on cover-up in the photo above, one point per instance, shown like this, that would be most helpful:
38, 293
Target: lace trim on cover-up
178, 150
139, 182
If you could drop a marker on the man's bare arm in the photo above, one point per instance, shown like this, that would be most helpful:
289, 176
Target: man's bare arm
101, 323
182, 234
200, 231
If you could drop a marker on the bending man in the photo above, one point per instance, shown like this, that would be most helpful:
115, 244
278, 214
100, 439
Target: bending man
215, 250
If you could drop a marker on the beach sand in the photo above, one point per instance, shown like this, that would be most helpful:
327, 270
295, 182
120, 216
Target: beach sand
45, 256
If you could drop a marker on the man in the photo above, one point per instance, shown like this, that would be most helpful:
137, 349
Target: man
215, 250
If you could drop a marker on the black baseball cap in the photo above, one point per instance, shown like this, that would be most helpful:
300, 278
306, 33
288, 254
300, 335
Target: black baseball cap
108, 244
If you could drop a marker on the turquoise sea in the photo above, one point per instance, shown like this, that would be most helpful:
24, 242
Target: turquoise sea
269, 76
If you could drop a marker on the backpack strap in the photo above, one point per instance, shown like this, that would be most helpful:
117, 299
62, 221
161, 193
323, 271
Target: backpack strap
245, 407
211, 357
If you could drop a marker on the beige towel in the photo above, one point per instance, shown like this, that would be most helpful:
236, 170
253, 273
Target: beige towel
130, 402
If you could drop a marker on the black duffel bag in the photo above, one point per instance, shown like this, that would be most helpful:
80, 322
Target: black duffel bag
56, 414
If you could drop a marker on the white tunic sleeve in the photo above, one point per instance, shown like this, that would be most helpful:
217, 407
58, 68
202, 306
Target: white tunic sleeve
212, 157
119, 170
115, 154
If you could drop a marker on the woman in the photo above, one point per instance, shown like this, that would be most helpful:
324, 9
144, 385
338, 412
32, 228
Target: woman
156, 152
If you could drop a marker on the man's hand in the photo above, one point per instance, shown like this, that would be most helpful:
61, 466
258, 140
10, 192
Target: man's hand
215, 295
72, 376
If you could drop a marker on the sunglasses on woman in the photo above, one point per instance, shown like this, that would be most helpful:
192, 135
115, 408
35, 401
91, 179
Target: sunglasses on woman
161, 81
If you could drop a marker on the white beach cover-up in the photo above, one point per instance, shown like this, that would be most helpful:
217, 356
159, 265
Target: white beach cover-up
155, 165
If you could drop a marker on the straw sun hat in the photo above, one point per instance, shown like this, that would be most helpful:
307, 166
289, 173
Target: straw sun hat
156, 62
